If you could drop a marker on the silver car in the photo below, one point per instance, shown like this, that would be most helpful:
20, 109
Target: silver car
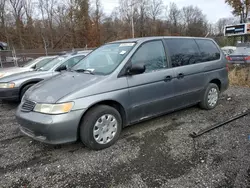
120, 84
30, 66
14, 86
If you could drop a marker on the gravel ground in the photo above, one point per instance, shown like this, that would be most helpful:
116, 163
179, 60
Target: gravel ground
157, 153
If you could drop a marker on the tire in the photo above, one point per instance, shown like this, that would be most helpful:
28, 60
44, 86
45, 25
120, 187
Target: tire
23, 90
205, 104
89, 123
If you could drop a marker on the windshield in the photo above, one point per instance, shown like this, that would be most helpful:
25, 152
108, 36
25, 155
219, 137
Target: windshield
105, 59
43, 62
52, 63
31, 62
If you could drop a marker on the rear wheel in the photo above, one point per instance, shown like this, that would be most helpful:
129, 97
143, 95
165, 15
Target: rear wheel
23, 90
101, 127
211, 97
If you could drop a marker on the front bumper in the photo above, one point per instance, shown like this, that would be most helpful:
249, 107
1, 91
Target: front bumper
51, 129
9, 94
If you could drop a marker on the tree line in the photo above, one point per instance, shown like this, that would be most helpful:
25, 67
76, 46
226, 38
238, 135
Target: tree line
29, 24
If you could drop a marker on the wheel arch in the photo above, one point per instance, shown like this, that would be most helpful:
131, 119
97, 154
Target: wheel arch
112, 103
217, 82
33, 81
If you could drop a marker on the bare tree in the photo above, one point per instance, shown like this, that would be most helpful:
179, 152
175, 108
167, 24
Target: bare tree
18, 12
221, 23
194, 21
18, 8
29, 31
47, 8
2, 12
143, 14
125, 9
155, 9
28, 8
98, 13
3, 32
127, 12
174, 19
83, 21
79, 23
72, 5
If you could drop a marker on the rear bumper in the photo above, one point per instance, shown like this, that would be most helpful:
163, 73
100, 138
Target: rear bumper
239, 62
9, 94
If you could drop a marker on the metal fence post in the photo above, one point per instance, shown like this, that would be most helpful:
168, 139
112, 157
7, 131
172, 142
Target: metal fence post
14, 57
1, 60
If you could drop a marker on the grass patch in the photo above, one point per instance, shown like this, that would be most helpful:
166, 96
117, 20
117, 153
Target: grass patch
239, 76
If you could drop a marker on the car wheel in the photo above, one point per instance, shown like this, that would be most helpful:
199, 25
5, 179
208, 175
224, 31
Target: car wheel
23, 90
100, 127
211, 97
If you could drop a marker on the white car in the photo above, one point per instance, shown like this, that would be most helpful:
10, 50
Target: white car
228, 49
30, 66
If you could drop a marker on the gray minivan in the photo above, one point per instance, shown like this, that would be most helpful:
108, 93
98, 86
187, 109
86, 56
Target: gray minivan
122, 83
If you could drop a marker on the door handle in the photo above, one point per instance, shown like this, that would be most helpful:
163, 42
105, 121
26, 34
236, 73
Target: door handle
180, 76
168, 78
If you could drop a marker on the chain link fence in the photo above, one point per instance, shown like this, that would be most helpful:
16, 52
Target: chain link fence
10, 58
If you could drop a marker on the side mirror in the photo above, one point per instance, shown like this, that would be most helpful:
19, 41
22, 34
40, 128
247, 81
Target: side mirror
62, 68
136, 69
33, 67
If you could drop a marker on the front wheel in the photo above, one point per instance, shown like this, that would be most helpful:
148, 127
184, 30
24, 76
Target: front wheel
211, 97
100, 127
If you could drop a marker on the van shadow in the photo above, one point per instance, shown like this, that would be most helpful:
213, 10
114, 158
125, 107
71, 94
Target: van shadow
6, 105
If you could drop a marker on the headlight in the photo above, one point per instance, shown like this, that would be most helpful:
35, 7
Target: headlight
54, 108
7, 85
1, 75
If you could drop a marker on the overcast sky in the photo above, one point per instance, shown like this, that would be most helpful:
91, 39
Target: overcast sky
214, 9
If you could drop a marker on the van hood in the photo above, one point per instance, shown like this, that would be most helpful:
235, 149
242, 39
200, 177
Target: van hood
24, 75
59, 86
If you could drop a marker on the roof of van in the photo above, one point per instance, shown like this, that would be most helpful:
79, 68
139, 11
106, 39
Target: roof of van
152, 38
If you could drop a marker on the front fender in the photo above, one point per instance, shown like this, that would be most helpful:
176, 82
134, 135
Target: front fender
119, 96
29, 82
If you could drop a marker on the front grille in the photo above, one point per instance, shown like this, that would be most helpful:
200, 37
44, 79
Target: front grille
28, 106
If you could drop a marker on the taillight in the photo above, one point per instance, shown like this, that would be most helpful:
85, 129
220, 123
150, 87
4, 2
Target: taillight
247, 58
229, 58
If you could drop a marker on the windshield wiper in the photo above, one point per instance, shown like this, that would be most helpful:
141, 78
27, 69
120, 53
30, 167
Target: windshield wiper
84, 70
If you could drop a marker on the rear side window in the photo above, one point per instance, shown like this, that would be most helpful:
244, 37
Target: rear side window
183, 51
208, 49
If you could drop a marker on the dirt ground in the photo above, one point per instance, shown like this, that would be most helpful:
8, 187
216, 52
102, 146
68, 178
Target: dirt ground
156, 153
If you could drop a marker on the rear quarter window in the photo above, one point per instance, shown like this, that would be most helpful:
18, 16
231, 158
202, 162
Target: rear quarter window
209, 51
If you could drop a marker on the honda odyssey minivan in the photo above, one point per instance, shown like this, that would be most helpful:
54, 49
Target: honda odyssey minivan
122, 83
